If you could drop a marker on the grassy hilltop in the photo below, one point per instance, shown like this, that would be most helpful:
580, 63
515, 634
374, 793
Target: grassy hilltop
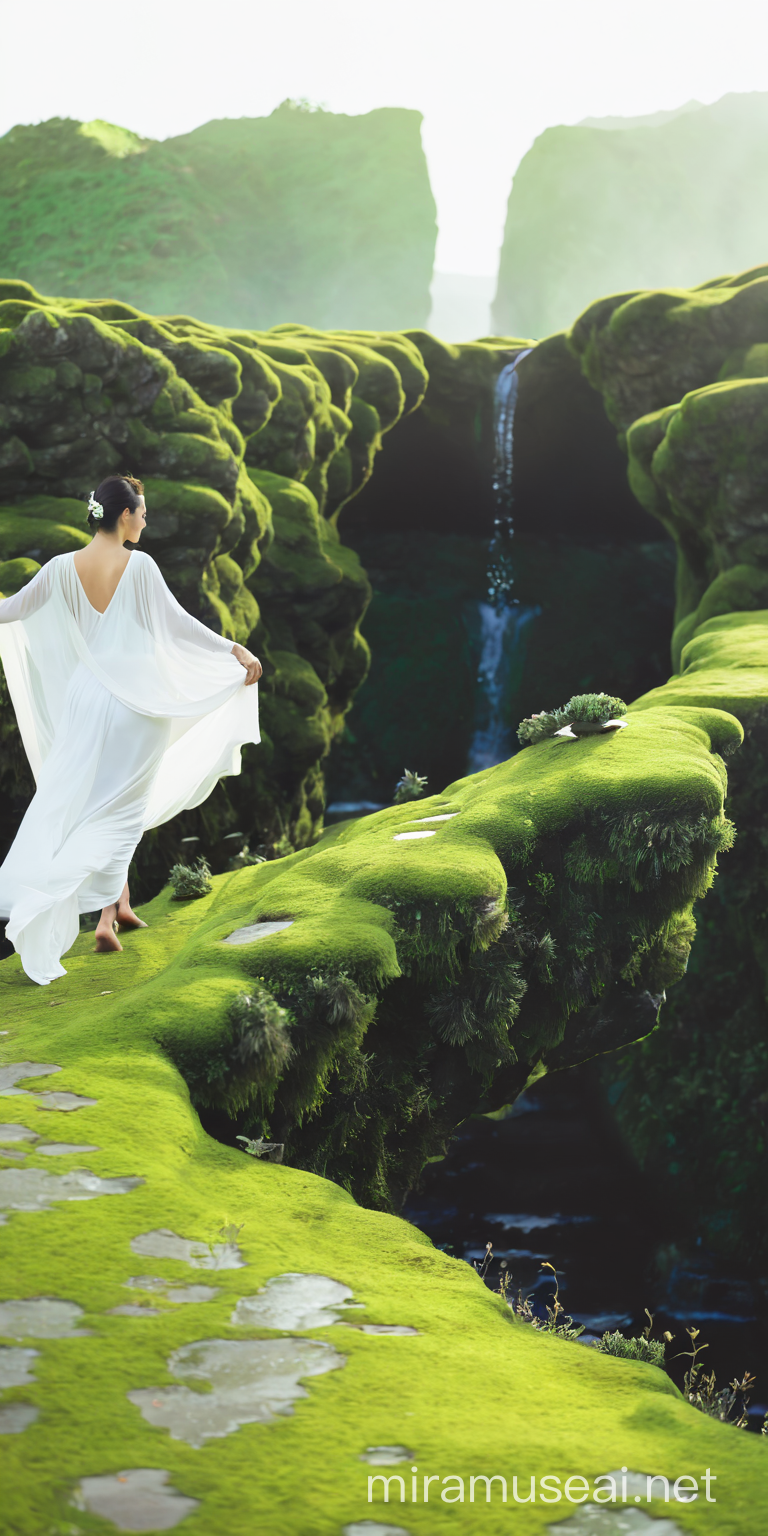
244, 222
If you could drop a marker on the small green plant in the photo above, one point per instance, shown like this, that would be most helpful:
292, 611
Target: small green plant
256, 1147
593, 709
244, 859
650, 1351
410, 787
190, 881
729, 1405
261, 1040
557, 1321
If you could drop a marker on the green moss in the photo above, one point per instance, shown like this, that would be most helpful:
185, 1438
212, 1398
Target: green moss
37, 538
14, 574
302, 1471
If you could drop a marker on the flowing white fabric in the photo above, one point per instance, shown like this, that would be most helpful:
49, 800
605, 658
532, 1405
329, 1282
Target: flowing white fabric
127, 717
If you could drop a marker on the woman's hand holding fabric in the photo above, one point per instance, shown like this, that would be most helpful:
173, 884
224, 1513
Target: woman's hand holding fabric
251, 663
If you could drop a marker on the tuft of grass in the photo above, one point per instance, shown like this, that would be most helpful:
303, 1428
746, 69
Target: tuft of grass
650, 1351
590, 708
190, 881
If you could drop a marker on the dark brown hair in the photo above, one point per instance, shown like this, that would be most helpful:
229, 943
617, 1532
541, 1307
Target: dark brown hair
115, 494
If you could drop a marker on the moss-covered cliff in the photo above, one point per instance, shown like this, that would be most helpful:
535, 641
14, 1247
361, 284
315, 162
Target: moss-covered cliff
683, 377
616, 208
242, 222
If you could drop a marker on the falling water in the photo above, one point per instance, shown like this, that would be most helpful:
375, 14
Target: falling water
503, 622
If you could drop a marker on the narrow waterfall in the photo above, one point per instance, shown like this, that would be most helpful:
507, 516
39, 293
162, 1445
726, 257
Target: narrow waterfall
503, 623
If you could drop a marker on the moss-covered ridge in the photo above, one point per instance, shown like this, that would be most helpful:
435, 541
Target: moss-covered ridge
250, 444
558, 1409
441, 955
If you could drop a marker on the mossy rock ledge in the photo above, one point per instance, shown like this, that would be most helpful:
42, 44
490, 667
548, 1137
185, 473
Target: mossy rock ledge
145, 1211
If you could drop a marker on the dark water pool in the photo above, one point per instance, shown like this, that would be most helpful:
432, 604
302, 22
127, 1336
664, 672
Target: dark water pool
554, 1182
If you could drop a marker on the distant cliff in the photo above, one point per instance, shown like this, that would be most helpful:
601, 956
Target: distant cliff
246, 222
599, 210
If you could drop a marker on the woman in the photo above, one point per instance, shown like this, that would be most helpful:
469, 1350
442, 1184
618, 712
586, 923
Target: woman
129, 711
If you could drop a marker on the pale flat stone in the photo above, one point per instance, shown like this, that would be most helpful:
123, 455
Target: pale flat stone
16, 1417
373, 1528
253, 1381
13, 1153
130, 1310
613, 1520
400, 1329
62, 1100
181, 1294
409, 837
14, 1071
637, 1488
137, 1500
13, 1133
293, 1302
164, 1244
16, 1367
32, 1189
172, 1292
445, 816
255, 931
386, 1455
65, 1148
40, 1317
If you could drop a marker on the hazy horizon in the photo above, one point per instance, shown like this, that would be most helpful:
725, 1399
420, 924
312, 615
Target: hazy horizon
486, 89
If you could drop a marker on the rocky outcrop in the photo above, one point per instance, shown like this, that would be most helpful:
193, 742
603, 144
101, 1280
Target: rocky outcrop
245, 222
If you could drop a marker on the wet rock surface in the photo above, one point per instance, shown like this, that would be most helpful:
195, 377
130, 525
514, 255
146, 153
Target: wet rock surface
386, 1455
40, 1317
58, 1099
16, 1417
15, 1071
140, 1499
164, 1244
171, 1291
294, 1302
16, 1367
254, 931
65, 1148
33, 1189
590, 1520
252, 1380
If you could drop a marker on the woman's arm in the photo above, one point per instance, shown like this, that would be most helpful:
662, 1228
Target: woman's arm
29, 597
182, 626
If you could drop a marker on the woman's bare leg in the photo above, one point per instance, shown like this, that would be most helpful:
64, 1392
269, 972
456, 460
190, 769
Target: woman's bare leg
106, 938
126, 916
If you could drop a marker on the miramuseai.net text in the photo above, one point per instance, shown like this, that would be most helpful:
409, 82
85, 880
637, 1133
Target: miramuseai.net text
622, 1487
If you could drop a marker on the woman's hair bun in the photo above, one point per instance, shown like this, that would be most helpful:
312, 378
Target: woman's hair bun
111, 498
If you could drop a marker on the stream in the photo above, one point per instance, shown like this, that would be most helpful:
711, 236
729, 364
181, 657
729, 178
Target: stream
554, 1182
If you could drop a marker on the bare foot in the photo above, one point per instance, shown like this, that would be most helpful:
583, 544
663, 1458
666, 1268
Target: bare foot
106, 936
126, 917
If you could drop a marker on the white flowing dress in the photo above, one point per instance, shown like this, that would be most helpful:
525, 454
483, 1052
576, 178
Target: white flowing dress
127, 717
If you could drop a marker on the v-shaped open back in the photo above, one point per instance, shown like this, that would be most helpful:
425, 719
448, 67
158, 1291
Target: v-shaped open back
100, 611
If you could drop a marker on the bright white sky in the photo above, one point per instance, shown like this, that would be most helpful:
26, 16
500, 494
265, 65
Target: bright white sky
488, 75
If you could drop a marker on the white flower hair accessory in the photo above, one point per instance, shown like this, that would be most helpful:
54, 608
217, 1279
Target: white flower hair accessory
95, 508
